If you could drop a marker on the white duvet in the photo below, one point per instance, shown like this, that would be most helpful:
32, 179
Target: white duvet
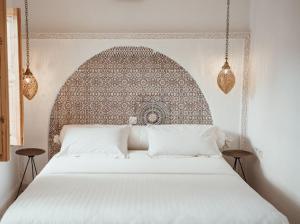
140, 190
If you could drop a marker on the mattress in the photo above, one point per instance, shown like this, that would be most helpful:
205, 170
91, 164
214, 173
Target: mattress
140, 190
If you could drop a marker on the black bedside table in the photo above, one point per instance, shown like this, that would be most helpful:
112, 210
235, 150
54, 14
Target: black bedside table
237, 154
30, 153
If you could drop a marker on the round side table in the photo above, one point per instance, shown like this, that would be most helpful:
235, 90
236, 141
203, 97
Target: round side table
237, 154
30, 153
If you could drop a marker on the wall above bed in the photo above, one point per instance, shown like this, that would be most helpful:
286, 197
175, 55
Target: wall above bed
133, 15
56, 56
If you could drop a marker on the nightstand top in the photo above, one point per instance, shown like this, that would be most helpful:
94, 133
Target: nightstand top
236, 153
30, 152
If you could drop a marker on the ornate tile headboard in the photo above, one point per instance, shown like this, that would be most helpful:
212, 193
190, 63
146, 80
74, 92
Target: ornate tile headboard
128, 81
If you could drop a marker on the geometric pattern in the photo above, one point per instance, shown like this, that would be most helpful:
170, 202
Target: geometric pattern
152, 113
128, 81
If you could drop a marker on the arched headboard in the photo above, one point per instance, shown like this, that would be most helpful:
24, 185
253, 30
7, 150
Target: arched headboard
122, 82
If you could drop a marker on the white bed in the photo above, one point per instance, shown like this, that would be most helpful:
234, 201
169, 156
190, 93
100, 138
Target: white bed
138, 190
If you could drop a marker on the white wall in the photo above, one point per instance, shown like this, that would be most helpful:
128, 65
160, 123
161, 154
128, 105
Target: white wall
136, 16
274, 104
9, 180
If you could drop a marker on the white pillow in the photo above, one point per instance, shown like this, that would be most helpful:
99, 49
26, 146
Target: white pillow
105, 140
186, 140
137, 139
68, 127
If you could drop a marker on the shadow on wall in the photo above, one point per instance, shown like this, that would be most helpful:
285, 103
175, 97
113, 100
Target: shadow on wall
232, 139
260, 183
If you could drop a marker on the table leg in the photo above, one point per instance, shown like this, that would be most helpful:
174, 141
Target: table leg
23, 177
32, 172
235, 161
242, 170
34, 166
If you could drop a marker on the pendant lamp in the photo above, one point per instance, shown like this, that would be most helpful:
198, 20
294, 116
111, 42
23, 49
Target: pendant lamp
29, 83
226, 79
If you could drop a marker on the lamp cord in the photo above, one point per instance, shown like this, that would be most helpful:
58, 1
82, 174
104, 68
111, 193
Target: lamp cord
27, 34
227, 30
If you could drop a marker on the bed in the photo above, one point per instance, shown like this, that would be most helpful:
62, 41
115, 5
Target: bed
163, 179
140, 189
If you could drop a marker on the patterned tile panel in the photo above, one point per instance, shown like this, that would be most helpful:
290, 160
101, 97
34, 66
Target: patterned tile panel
128, 81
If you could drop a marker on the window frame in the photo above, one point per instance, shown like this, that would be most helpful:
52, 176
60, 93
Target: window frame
4, 104
19, 132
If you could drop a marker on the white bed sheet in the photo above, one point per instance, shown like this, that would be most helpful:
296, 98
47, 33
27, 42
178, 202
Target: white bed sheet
140, 190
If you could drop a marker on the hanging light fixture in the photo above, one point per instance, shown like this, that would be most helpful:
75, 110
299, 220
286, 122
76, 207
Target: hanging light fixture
30, 85
226, 79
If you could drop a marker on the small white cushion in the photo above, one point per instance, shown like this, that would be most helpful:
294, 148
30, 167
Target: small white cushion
108, 140
186, 140
138, 139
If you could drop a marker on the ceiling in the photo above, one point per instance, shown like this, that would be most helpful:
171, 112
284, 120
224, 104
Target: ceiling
117, 16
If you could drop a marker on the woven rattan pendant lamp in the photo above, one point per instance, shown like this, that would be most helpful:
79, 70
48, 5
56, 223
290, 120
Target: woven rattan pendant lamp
29, 83
226, 79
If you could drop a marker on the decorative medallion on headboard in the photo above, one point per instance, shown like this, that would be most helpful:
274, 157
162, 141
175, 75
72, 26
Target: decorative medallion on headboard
128, 81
